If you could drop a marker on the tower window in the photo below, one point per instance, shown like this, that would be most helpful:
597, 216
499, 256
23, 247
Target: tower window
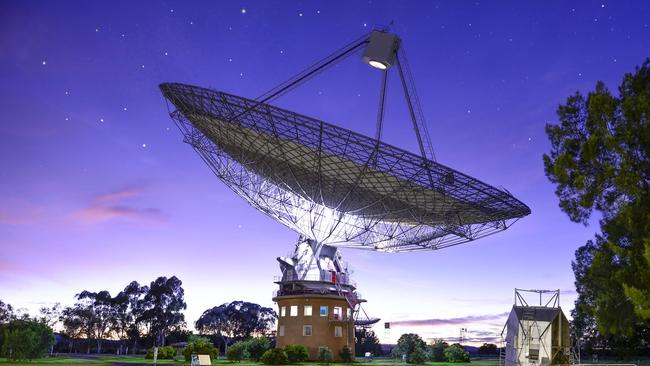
294, 310
338, 331
307, 311
283, 311
306, 330
323, 310
337, 312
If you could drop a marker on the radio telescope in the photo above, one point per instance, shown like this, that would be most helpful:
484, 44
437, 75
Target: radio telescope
334, 187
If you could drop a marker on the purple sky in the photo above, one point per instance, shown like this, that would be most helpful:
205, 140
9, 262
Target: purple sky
97, 189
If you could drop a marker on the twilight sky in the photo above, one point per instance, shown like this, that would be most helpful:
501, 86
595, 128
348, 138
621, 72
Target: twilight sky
97, 188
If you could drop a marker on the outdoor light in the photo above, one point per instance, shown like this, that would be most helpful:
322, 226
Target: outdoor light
381, 50
377, 64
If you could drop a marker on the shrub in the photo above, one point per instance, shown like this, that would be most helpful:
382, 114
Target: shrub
25, 339
325, 355
200, 346
455, 353
417, 356
164, 353
406, 344
296, 353
346, 354
257, 346
237, 351
275, 356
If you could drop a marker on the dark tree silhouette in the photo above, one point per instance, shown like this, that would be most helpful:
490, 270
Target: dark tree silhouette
97, 311
162, 306
367, 341
236, 320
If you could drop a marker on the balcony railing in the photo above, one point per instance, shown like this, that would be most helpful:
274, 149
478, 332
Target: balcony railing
324, 276
338, 318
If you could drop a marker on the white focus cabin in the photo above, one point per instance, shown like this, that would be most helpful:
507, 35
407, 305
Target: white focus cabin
537, 335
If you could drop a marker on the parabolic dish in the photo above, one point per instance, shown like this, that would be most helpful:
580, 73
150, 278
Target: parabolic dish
332, 185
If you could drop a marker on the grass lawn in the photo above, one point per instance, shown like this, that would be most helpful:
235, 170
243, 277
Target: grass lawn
55, 361
111, 360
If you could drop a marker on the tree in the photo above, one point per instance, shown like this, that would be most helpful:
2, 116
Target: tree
366, 341
412, 346
6, 313
437, 350
600, 161
418, 356
163, 303
50, 316
236, 320
128, 310
488, 349
237, 352
73, 324
26, 339
257, 346
456, 353
98, 314
201, 346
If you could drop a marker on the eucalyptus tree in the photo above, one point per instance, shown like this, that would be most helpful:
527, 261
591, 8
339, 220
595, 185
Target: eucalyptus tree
162, 307
236, 320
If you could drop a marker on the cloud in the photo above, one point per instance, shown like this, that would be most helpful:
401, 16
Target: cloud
450, 321
20, 212
118, 205
490, 339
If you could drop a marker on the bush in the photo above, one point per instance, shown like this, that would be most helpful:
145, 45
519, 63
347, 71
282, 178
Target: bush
407, 344
164, 353
346, 354
455, 353
257, 346
325, 355
25, 339
200, 346
275, 356
417, 356
237, 351
296, 353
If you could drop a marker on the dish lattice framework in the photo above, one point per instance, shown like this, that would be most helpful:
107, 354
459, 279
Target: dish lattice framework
333, 185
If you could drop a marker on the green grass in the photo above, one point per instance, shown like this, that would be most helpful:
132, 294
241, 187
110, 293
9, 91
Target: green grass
109, 360
137, 359
56, 361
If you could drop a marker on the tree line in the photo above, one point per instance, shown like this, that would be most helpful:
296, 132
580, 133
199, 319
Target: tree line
412, 349
140, 317
133, 314
599, 163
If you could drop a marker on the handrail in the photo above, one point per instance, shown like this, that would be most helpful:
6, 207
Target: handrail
324, 276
